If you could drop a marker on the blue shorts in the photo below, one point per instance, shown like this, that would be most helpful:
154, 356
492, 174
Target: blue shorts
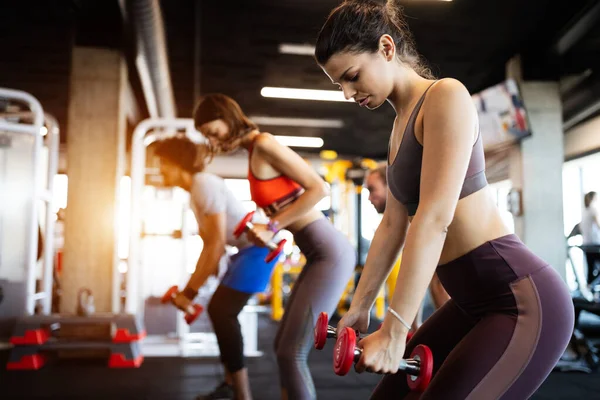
247, 270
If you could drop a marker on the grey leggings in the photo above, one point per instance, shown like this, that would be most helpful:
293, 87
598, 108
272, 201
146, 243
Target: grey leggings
330, 262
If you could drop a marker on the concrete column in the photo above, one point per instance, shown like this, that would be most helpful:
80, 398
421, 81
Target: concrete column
540, 176
95, 160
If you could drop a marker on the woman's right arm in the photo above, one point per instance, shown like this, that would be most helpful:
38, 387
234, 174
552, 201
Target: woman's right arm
383, 253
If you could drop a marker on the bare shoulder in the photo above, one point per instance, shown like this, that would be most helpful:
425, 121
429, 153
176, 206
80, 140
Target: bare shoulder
448, 90
449, 100
265, 142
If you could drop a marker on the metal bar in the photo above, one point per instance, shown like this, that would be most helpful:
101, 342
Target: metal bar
53, 140
19, 128
410, 366
39, 296
45, 195
145, 133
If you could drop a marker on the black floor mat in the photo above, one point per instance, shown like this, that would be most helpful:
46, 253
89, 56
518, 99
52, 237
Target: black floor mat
182, 379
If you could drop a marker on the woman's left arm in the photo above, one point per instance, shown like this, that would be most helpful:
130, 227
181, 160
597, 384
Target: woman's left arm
290, 164
449, 125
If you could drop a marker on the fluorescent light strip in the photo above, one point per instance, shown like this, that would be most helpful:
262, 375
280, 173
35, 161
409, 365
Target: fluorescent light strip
300, 141
297, 49
303, 122
303, 94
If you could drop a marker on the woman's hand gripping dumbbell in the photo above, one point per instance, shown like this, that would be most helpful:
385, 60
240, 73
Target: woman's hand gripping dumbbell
324, 331
246, 224
192, 311
418, 368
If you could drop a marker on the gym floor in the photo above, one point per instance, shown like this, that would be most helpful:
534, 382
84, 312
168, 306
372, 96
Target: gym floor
184, 378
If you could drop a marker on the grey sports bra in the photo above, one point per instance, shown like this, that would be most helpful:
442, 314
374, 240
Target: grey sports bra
404, 173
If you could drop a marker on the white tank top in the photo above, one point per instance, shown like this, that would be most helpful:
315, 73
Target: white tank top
210, 195
589, 227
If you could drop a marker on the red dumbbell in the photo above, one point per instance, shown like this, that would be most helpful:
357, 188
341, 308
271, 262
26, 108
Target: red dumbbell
245, 224
418, 368
324, 331
192, 311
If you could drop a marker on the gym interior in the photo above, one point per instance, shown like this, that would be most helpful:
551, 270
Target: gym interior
95, 244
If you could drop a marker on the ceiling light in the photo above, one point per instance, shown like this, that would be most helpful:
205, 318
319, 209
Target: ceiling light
297, 49
303, 94
300, 141
304, 122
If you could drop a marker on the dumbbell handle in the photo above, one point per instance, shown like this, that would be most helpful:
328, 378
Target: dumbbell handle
190, 307
332, 332
270, 245
412, 366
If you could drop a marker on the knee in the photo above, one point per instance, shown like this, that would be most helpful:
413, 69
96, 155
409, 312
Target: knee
215, 316
211, 309
286, 355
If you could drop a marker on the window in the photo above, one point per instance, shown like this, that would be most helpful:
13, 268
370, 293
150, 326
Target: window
579, 177
370, 217
500, 192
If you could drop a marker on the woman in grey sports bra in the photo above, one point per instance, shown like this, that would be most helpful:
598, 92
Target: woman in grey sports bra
510, 316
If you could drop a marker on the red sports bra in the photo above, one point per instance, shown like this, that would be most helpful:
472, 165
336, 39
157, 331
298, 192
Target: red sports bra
272, 194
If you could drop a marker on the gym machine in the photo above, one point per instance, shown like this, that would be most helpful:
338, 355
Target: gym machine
21, 174
28, 165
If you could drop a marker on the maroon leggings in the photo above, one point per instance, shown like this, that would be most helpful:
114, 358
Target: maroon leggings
508, 322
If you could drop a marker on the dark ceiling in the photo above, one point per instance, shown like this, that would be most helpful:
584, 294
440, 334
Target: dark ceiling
232, 47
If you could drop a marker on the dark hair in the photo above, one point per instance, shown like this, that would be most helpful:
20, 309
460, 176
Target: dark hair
588, 198
182, 152
381, 171
357, 25
219, 106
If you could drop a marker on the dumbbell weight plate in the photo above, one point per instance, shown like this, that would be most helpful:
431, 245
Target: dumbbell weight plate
419, 383
343, 353
168, 296
239, 229
190, 318
320, 331
275, 253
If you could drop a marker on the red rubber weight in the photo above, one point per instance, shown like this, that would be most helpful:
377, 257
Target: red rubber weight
343, 353
190, 318
241, 227
320, 331
275, 253
419, 383
168, 296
